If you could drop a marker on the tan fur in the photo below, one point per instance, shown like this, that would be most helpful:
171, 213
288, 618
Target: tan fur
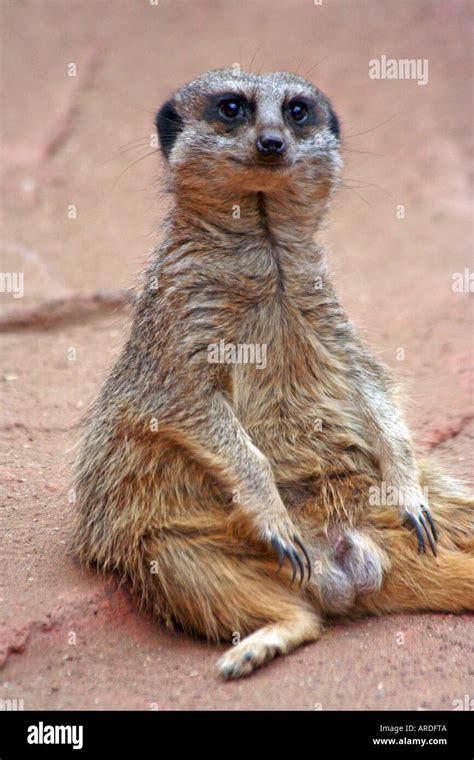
189, 469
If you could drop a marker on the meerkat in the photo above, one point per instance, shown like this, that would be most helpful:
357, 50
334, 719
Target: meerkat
210, 479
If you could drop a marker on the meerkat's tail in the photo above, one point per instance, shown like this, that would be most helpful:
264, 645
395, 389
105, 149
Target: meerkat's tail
422, 581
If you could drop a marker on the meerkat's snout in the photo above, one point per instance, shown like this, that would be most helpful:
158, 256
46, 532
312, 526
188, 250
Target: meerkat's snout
270, 144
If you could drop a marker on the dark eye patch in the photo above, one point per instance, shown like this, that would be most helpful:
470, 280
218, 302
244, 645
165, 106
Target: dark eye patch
301, 105
215, 110
298, 112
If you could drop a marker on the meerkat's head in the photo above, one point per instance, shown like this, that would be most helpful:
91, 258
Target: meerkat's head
236, 131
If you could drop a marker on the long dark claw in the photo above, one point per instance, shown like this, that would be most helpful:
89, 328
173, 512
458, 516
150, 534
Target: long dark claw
306, 555
300, 565
277, 545
419, 533
427, 512
428, 534
292, 557
284, 552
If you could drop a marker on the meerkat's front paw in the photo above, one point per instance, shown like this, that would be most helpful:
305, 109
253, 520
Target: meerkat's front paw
275, 529
288, 545
286, 549
417, 513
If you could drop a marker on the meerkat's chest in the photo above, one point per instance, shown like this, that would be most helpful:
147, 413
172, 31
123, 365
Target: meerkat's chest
289, 392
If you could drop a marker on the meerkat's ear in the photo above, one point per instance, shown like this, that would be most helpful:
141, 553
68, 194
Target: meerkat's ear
169, 124
334, 124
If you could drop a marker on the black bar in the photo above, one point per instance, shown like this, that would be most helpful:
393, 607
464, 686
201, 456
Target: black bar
317, 734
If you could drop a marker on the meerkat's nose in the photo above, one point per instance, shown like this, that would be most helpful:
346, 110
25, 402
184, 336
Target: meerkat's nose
270, 144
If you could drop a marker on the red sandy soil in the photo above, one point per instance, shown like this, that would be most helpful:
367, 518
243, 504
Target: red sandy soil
58, 134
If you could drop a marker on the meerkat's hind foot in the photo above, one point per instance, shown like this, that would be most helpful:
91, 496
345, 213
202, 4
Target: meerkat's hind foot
268, 642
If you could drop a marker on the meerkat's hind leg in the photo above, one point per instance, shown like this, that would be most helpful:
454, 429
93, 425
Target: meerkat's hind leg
218, 587
276, 639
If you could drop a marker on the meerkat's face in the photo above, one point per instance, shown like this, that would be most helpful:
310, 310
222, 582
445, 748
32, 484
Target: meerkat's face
234, 131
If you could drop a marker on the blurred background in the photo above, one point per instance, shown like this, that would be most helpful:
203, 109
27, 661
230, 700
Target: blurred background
81, 202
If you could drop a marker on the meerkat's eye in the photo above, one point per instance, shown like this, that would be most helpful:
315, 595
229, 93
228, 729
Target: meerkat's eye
298, 111
231, 108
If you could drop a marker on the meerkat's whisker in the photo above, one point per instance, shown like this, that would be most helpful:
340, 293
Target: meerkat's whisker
138, 146
372, 129
142, 158
254, 56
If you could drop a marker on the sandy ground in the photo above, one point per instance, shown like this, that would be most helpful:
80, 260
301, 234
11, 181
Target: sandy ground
69, 640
